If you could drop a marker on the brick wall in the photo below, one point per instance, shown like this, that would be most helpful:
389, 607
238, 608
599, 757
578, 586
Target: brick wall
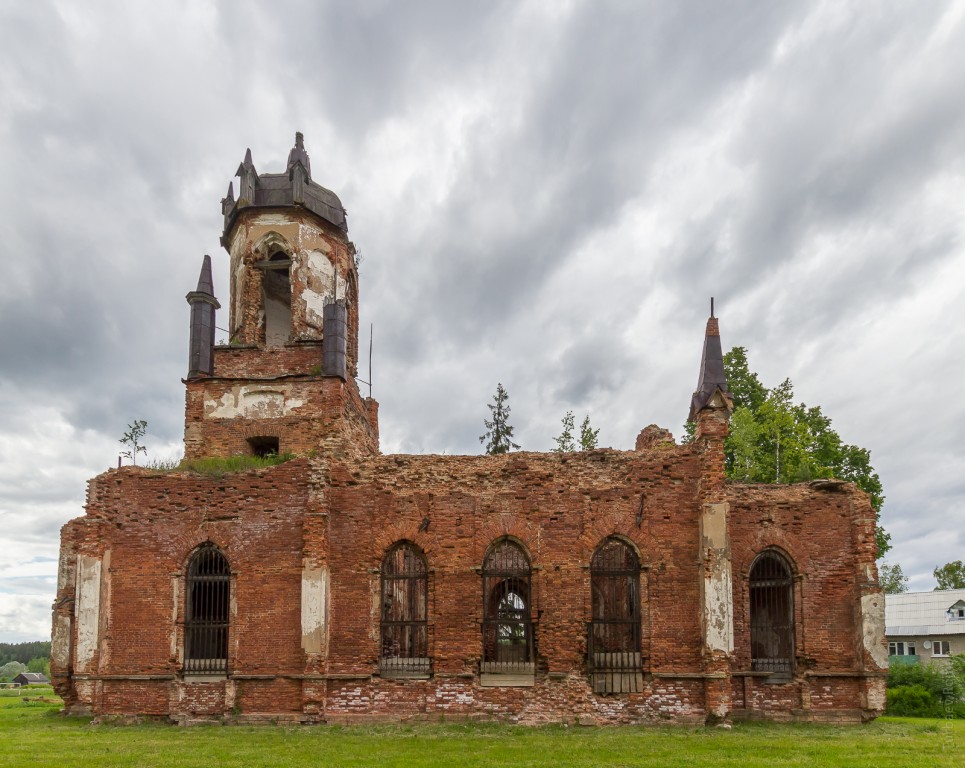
308, 414
340, 515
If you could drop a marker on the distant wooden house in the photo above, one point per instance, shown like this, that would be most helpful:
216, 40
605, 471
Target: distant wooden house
31, 678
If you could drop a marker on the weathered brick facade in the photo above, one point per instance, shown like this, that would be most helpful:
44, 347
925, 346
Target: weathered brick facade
306, 543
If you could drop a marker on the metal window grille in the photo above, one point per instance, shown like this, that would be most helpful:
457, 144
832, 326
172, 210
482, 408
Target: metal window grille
507, 630
772, 615
405, 596
206, 616
613, 634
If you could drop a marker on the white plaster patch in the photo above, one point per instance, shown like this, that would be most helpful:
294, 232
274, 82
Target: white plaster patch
877, 695
314, 609
873, 628
314, 305
65, 569
175, 602
718, 587
326, 285
307, 232
271, 219
60, 642
87, 609
253, 401
718, 596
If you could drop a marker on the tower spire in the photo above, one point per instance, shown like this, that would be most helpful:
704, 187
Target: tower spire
711, 379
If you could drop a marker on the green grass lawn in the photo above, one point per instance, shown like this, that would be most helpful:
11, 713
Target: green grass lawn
32, 733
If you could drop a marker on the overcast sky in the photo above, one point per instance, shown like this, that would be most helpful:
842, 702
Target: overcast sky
545, 194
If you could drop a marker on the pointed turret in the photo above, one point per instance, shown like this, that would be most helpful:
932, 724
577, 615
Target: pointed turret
298, 155
249, 180
712, 390
228, 201
203, 306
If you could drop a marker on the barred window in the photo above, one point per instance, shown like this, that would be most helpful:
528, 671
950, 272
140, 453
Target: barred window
405, 596
772, 615
507, 631
206, 615
613, 636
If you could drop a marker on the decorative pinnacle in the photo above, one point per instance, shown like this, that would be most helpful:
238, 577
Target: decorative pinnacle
205, 282
298, 155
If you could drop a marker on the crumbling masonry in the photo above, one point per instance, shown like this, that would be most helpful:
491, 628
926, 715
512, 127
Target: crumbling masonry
599, 587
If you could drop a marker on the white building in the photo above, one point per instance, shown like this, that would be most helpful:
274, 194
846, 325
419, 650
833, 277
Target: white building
928, 625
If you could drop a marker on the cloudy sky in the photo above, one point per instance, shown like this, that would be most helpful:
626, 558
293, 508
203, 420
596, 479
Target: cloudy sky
545, 194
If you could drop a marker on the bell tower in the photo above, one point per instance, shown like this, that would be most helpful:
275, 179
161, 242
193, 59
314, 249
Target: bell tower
285, 380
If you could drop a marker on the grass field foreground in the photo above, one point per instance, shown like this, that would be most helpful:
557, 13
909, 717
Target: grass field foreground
33, 733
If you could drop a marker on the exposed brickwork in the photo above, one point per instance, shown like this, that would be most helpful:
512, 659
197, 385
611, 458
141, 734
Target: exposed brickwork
343, 515
308, 415
305, 541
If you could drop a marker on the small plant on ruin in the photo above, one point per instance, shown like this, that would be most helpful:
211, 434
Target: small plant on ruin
219, 466
499, 434
565, 440
588, 435
132, 439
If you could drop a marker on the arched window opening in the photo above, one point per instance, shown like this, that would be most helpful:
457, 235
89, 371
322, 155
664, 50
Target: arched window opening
772, 616
405, 597
508, 646
613, 637
206, 615
277, 294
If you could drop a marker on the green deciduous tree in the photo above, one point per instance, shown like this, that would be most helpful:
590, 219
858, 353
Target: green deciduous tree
565, 441
40, 664
132, 439
950, 576
892, 578
588, 435
10, 670
499, 434
772, 439
588, 439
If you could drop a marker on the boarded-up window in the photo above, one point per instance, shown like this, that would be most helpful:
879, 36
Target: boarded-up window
405, 593
207, 610
772, 615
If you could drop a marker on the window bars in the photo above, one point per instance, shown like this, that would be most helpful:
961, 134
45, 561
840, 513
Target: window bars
507, 629
772, 615
206, 617
613, 634
405, 595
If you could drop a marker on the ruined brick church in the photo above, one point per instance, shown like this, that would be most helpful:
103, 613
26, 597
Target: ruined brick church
607, 586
